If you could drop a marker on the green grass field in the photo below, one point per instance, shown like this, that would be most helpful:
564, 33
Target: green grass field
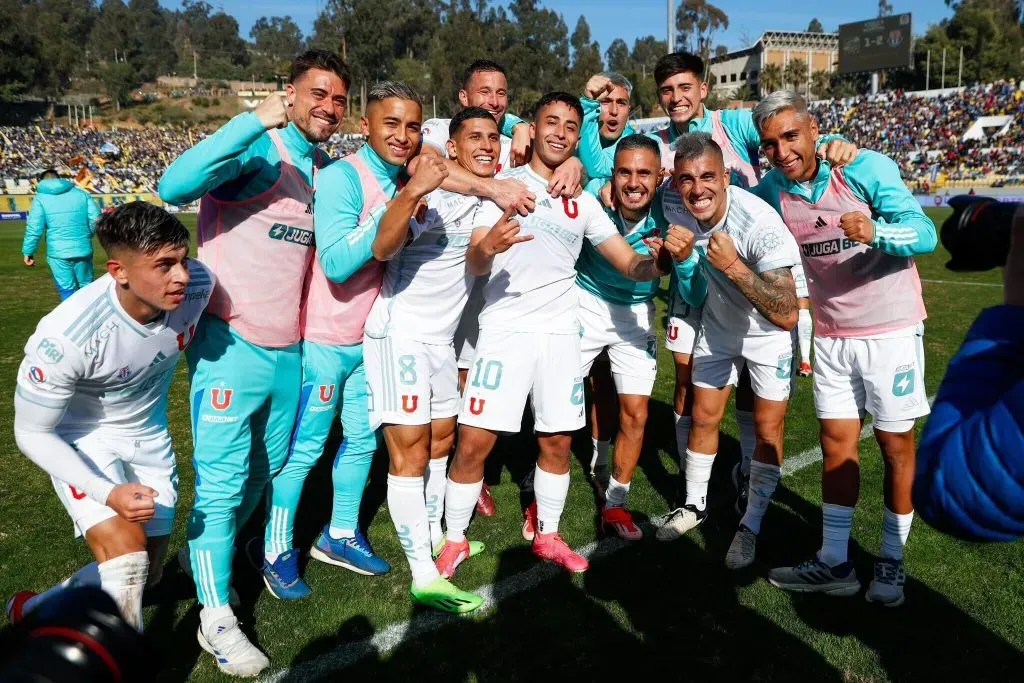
645, 610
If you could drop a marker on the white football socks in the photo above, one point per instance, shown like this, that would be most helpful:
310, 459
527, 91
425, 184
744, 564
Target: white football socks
409, 515
805, 333
460, 501
763, 480
698, 474
89, 575
337, 533
550, 490
748, 440
615, 495
682, 437
434, 493
836, 522
895, 530
124, 579
599, 455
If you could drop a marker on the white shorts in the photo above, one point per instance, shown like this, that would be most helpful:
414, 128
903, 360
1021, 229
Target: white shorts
718, 362
884, 377
628, 334
123, 459
683, 324
511, 366
410, 382
468, 330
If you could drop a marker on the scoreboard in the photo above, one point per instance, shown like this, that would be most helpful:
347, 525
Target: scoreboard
876, 44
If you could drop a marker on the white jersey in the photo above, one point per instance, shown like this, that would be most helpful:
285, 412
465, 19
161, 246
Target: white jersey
763, 243
532, 286
434, 132
426, 286
110, 371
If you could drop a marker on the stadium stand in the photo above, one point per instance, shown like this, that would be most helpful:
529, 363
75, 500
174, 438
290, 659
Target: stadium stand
926, 134
119, 161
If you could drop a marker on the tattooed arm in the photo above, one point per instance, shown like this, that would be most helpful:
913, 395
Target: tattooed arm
628, 262
773, 293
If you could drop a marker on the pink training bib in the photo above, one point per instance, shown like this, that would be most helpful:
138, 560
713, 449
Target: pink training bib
742, 173
856, 290
335, 313
260, 249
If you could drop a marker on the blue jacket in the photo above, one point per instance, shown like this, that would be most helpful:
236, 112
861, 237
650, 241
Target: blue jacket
66, 214
970, 466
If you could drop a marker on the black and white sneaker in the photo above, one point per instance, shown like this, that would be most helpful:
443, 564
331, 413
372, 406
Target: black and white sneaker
680, 521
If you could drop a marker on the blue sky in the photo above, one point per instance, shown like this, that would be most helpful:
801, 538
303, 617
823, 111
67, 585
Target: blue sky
645, 17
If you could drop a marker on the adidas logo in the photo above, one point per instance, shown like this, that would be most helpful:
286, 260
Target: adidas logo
452, 603
547, 204
820, 223
158, 358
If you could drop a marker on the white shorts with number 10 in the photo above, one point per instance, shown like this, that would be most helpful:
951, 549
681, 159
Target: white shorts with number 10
409, 382
512, 366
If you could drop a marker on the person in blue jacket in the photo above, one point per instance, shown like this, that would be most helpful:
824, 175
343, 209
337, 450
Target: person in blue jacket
970, 465
68, 215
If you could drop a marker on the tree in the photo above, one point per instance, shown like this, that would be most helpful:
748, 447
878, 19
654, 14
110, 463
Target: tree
815, 26
771, 78
745, 94
537, 57
617, 56
62, 28
278, 38
820, 84
646, 53
586, 57
153, 52
20, 65
119, 79
884, 8
795, 74
697, 21
721, 51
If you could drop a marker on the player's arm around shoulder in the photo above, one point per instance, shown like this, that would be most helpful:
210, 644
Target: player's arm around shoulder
900, 226
602, 233
201, 282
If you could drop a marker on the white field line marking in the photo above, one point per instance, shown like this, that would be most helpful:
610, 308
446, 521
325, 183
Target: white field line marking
955, 282
390, 637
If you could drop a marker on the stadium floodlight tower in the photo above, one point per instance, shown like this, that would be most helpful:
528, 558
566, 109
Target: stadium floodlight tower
671, 26
875, 45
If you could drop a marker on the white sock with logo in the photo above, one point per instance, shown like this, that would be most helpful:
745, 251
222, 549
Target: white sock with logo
683, 423
698, 474
615, 496
895, 531
124, 578
460, 501
599, 455
763, 480
409, 515
434, 492
836, 522
805, 333
550, 490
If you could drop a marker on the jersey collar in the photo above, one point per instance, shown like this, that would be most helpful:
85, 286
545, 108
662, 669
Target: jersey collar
813, 189
380, 168
297, 143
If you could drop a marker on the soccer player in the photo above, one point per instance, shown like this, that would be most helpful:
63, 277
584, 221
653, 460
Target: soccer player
340, 290
616, 315
484, 85
410, 357
747, 320
67, 214
606, 108
255, 177
529, 332
858, 228
91, 403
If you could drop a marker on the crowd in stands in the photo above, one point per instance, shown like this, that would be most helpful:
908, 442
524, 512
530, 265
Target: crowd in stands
117, 161
925, 134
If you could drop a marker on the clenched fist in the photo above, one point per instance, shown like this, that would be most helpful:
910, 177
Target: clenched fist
273, 112
598, 86
679, 242
721, 251
857, 227
133, 502
430, 172
519, 152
